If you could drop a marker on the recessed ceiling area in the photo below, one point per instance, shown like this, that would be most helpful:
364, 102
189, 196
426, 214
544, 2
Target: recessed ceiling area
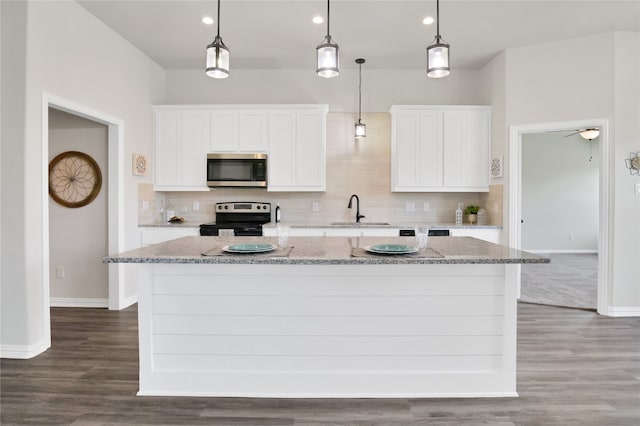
266, 34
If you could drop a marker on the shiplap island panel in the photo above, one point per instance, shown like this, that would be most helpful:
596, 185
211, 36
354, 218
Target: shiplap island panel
317, 321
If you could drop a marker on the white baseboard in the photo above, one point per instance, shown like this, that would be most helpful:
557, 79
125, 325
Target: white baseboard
23, 352
551, 251
78, 302
129, 301
624, 311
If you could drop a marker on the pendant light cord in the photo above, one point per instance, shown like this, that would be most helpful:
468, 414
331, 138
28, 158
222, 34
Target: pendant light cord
360, 94
328, 19
218, 19
437, 20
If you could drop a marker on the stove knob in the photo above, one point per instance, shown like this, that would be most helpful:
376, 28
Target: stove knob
226, 207
219, 207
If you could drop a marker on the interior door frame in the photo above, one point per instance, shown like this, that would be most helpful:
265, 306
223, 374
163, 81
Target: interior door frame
115, 195
604, 214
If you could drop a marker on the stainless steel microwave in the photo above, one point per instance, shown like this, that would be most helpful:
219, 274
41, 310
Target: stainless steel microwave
236, 170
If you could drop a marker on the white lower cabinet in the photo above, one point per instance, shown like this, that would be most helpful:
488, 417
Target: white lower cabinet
491, 235
329, 231
158, 234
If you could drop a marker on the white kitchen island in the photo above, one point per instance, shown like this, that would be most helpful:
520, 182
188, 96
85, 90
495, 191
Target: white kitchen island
325, 320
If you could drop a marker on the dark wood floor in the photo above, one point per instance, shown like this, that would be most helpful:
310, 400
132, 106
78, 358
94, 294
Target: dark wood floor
574, 368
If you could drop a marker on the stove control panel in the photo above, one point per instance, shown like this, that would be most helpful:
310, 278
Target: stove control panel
243, 207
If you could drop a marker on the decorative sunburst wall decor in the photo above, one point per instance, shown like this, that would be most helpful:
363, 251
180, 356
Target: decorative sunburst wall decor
139, 166
633, 163
496, 167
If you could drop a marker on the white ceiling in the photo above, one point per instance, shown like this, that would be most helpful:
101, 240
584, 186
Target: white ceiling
387, 33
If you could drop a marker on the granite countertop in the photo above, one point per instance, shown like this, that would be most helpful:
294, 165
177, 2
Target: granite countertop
185, 224
320, 250
272, 225
381, 225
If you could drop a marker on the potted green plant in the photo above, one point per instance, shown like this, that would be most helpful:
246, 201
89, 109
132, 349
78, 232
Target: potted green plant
472, 213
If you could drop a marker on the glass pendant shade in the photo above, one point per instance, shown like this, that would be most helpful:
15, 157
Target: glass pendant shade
438, 59
590, 134
217, 59
361, 130
328, 58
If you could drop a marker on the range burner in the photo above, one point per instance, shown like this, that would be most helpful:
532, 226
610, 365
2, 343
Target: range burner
244, 218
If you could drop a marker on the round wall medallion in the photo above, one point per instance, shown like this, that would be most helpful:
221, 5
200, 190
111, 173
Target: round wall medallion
74, 179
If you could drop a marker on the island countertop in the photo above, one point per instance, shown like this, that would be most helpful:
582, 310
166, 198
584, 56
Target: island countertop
321, 250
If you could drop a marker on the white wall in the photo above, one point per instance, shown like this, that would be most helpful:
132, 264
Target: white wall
593, 77
626, 216
72, 55
494, 90
380, 88
559, 193
13, 291
78, 236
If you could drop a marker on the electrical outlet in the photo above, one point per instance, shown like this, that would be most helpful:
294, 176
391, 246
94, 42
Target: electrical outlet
426, 207
572, 237
637, 188
410, 206
196, 206
145, 205
60, 272
315, 207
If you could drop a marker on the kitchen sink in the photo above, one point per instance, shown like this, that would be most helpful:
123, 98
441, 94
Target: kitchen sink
360, 224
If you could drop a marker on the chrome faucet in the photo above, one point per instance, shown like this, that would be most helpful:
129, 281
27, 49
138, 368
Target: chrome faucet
358, 215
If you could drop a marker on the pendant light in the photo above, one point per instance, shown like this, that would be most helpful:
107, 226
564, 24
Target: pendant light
361, 128
327, 53
438, 52
217, 55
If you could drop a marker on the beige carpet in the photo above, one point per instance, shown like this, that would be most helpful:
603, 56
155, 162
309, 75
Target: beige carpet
570, 280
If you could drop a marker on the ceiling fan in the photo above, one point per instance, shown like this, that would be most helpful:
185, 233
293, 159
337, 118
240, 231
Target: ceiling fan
588, 133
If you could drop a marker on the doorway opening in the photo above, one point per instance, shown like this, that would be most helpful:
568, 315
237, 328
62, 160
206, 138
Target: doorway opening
560, 218
517, 215
117, 298
78, 229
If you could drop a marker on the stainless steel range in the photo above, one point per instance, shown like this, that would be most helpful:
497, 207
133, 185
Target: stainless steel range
244, 218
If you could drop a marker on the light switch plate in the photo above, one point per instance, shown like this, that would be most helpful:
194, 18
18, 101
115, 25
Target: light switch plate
637, 188
426, 207
410, 206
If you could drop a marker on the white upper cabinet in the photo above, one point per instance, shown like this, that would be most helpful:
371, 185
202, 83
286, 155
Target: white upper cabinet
297, 149
181, 138
417, 150
440, 148
239, 131
293, 137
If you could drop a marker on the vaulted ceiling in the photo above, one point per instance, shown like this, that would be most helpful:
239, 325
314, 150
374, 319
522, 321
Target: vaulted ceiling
270, 34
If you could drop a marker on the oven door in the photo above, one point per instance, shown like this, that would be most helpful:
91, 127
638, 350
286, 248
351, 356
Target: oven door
236, 229
237, 170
